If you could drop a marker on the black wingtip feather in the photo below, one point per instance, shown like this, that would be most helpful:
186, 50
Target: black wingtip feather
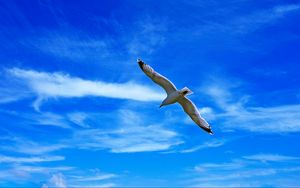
207, 129
141, 63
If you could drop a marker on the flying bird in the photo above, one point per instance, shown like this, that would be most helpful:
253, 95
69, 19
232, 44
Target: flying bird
174, 95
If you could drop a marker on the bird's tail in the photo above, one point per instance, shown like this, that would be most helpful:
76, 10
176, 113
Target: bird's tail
186, 91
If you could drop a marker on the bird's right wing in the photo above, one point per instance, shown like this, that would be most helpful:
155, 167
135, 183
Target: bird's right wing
168, 86
190, 108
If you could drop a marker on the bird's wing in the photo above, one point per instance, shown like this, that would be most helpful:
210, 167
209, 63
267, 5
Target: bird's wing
168, 86
190, 108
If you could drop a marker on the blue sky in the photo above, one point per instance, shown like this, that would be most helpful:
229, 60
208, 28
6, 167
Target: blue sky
76, 110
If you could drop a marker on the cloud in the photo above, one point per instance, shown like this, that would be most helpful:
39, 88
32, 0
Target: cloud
212, 144
129, 136
22, 145
79, 178
128, 140
270, 157
98, 177
53, 85
136, 137
243, 24
57, 180
147, 37
9, 159
48, 118
70, 47
260, 18
234, 113
92, 178
79, 119
26, 173
42, 169
284, 119
248, 171
128, 132
235, 164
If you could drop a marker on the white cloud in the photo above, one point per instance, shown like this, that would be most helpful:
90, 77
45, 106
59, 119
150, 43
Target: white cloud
78, 118
286, 8
237, 115
146, 38
9, 159
212, 144
95, 178
277, 119
42, 169
96, 185
242, 24
52, 85
70, 47
130, 139
262, 17
270, 157
48, 118
21, 145
132, 135
235, 164
57, 180
246, 172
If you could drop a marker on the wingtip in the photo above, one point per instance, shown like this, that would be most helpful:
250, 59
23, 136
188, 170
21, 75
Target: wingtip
141, 63
208, 130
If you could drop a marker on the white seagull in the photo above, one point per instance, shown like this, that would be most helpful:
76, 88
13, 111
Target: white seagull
175, 95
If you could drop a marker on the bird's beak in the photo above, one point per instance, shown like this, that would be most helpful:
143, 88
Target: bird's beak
160, 106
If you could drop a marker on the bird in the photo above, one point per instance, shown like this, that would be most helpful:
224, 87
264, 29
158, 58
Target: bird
174, 95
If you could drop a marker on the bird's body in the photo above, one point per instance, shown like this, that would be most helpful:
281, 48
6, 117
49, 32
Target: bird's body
174, 95
171, 98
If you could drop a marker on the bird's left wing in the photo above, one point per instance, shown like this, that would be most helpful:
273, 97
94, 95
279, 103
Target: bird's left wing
190, 108
168, 86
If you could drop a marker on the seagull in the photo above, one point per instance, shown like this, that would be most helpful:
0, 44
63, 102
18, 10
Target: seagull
174, 95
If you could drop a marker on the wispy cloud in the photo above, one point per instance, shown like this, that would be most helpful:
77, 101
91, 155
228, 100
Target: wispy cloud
9, 159
235, 164
130, 134
53, 85
212, 144
78, 118
44, 169
70, 47
57, 180
248, 171
147, 38
236, 114
97, 177
270, 157
24, 172
246, 23
25, 146
260, 18
88, 178
131, 139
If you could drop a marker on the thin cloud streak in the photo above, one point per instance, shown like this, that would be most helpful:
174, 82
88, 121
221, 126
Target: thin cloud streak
248, 171
212, 144
235, 114
270, 157
131, 136
9, 159
53, 85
